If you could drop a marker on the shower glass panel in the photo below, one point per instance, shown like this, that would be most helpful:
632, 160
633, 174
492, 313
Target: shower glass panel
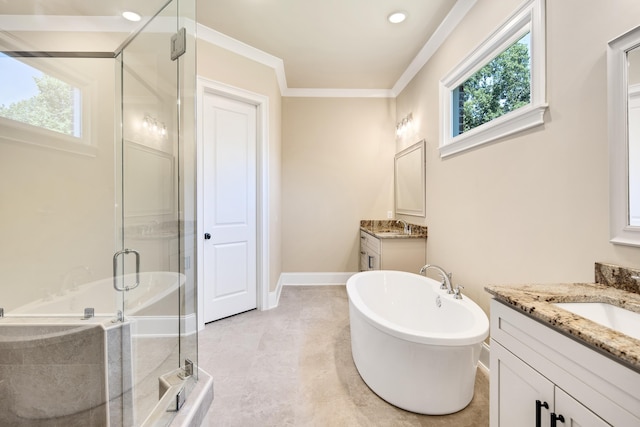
97, 157
187, 178
155, 259
57, 187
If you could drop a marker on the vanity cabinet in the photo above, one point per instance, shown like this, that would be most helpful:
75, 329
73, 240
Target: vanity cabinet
542, 378
369, 252
395, 253
527, 398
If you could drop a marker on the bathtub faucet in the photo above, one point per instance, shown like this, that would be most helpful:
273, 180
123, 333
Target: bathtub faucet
446, 277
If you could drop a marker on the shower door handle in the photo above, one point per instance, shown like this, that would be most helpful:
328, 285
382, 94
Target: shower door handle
115, 270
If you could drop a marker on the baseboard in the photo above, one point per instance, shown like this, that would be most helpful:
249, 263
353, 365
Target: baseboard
484, 362
274, 297
306, 279
314, 279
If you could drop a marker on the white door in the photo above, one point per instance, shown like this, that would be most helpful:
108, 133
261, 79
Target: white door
229, 150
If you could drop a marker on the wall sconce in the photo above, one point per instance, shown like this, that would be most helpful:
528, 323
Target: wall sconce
153, 125
403, 125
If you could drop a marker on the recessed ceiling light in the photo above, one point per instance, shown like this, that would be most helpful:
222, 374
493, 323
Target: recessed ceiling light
131, 16
397, 17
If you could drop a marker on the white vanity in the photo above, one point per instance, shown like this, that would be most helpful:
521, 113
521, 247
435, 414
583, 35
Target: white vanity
385, 246
550, 367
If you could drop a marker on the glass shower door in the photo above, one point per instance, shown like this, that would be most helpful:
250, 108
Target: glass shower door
148, 268
59, 228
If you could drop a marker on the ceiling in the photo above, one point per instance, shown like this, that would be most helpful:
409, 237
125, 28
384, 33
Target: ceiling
323, 44
330, 43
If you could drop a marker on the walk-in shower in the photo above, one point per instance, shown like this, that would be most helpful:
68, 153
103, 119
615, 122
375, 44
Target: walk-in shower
97, 213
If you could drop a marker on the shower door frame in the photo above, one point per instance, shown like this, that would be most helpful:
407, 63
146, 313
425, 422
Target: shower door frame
181, 159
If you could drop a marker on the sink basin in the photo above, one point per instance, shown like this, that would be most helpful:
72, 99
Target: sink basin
611, 316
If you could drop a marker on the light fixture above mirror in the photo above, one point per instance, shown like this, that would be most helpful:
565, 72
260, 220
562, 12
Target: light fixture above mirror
404, 125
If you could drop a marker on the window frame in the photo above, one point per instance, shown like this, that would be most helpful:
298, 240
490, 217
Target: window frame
30, 134
528, 18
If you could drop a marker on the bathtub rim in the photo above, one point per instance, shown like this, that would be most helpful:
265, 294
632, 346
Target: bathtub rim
475, 335
30, 309
61, 329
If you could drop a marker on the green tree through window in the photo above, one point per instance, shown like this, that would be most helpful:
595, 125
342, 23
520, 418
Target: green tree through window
501, 86
55, 106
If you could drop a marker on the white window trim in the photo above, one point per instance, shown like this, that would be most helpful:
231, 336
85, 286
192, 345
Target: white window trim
530, 17
25, 133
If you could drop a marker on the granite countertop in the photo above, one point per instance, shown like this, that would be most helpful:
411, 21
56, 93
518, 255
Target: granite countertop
390, 229
537, 301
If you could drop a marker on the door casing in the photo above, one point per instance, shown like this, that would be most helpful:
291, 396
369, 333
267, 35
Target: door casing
262, 186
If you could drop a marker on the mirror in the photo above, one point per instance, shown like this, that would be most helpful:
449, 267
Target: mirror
623, 61
410, 180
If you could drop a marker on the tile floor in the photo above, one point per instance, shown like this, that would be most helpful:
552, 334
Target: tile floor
292, 366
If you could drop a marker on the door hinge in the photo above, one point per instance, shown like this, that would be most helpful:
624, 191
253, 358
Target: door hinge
187, 371
179, 402
178, 43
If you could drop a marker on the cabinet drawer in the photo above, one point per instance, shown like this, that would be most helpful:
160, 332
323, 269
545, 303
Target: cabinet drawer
369, 242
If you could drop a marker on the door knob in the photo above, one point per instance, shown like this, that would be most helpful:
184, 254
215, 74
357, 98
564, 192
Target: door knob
207, 236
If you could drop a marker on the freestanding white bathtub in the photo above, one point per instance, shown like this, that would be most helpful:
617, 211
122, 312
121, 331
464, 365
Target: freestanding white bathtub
413, 344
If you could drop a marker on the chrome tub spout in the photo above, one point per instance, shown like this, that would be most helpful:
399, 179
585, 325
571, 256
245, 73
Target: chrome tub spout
446, 277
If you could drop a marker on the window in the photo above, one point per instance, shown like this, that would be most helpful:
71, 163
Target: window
499, 89
38, 99
45, 103
501, 86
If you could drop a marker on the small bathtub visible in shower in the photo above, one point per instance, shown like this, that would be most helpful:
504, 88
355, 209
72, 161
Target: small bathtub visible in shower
100, 295
58, 368
61, 371
413, 344
151, 305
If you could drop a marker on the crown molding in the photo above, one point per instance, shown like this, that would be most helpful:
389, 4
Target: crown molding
62, 23
222, 40
337, 93
115, 24
450, 22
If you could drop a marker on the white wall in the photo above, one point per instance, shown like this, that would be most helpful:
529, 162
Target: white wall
534, 207
337, 168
